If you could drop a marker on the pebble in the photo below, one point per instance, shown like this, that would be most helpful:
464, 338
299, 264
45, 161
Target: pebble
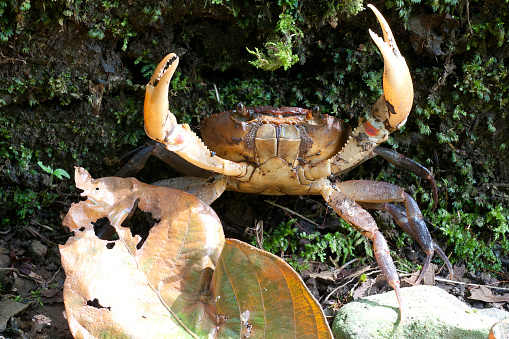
37, 250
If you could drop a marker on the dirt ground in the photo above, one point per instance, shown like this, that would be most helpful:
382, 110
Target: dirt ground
32, 273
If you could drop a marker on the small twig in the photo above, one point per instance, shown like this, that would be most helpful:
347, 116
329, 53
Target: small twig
217, 94
336, 271
292, 212
351, 277
34, 232
500, 184
44, 226
259, 233
470, 284
9, 269
305, 230
6, 231
337, 288
6, 59
468, 18
54, 275
20, 274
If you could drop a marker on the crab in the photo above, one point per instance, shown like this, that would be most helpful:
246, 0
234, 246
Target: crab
296, 151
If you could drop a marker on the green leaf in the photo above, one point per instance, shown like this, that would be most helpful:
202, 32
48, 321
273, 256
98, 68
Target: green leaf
46, 169
59, 173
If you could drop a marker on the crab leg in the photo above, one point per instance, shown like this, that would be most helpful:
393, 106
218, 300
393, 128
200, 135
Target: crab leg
402, 220
158, 119
400, 161
354, 214
389, 113
407, 164
397, 82
161, 125
375, 194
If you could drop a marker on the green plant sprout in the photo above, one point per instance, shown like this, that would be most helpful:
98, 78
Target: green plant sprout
59, 173
37, 296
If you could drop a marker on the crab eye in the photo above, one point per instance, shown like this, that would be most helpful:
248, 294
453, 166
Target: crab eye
241, 109
313, 113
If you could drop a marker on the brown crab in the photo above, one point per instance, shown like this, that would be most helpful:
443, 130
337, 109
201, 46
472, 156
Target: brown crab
290, 150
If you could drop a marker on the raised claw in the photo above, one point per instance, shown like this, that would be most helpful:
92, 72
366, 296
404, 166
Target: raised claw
388, 114
397, 82
162, 126
158, 119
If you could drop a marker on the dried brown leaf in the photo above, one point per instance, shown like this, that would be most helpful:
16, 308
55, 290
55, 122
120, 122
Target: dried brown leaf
122, 290
483, 293
169, 285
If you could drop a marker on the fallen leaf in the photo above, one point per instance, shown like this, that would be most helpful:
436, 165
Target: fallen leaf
9, 308
428, 279
326, 276
136, 290
363, 289
483, 293
41, 319
269, 291
168, 284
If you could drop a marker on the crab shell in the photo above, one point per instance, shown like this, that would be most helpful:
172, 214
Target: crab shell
258, 134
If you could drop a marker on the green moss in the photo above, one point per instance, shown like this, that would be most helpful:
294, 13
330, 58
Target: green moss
279, 50
464, 233
457, 126
339, 246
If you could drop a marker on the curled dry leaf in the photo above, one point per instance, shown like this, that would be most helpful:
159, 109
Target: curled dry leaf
123, 290
485, 294
179, 282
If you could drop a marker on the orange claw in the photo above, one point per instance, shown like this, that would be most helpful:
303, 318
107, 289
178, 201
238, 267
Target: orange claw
158, 119
397, 83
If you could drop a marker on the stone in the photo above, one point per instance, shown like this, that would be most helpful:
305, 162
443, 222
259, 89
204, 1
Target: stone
429, 312
37, 250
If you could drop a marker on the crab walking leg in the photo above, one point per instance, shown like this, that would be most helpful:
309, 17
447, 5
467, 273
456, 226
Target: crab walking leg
376, 194
161, 125
355, 215
205, 189
407, 164
401, 219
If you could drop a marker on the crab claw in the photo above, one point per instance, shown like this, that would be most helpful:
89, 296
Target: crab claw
158, 118
397, 83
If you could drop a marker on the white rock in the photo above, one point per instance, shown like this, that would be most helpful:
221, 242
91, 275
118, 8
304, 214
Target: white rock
430, 313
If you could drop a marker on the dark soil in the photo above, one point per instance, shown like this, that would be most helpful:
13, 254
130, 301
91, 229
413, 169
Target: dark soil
37, 277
